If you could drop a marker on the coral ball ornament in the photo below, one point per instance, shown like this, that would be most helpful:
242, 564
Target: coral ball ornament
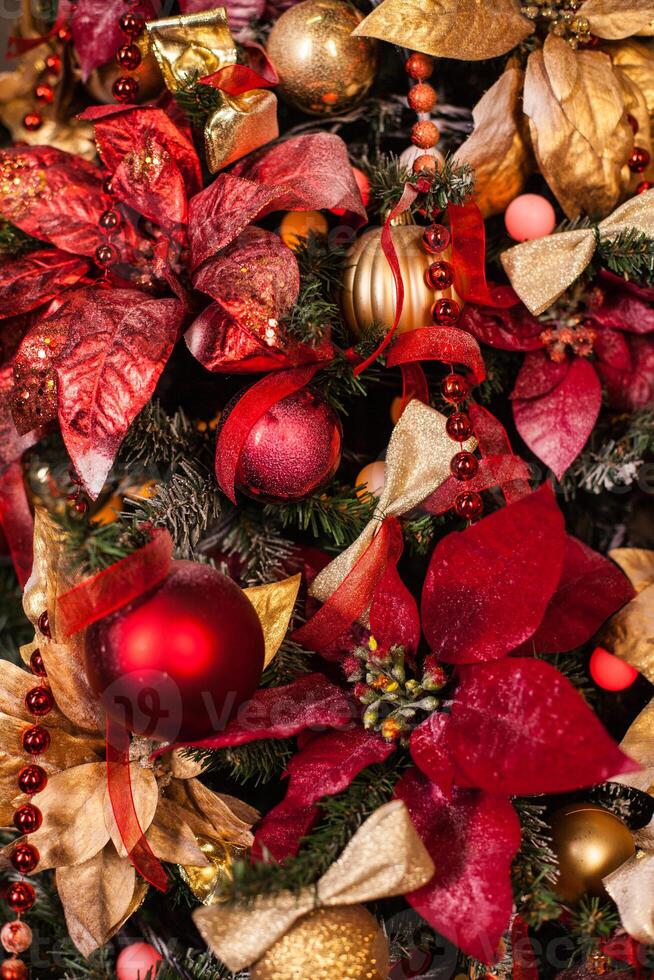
371, 479
529, 216
178, 661
138, 961
16, 936
292, 449
328, 944
13, 969
610, 672
322, 68
296, 226
590, 843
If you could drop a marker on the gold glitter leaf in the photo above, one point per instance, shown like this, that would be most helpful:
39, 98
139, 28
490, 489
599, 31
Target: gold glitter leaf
636, 58
637, 564
615, 19
274, 604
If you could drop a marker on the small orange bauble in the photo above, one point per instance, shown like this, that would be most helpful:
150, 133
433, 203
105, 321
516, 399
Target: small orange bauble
296, 226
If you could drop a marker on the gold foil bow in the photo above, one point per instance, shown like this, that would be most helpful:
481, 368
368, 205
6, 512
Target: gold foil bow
417, 462
195, 45
630, 633
385, 857
541, 270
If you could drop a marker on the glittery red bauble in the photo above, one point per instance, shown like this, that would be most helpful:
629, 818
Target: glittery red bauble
137, 961
36, 740
292, 450
439, 275
39, 701
13, 969
469, 505
435, 238
32, 779
425, 134
37, 665
129, 57
125, 89
16, 936
464, 465
419, 66
25, 858
20, 896
28, 818
445, 312
459, 427
177, 662
455, 388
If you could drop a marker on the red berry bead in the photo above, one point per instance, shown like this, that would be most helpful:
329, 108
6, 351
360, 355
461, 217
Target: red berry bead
445, 312
64, 34
16, 936
44, 624
639, 160
32, 121
455, 388
129, 57
13, 969
106, 255
459, 427
32, 779
425, 164
44, 93
39, 701
53, 63
125, 89
28, 818
81, 506
633, 122
435, 238
645, 185
419, 66
422, 97
37, 665
469, 505
439, 275
36, 740
20, 896
131, 23
25, 857
464, 465
109, 220
107, 186
425, 134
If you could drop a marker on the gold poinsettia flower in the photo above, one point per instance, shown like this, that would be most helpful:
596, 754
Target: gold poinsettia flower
562, 101
97, 884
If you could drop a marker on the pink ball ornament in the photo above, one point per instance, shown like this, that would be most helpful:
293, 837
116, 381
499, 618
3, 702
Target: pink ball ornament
138, 961
16, 936
609, 672
529, 216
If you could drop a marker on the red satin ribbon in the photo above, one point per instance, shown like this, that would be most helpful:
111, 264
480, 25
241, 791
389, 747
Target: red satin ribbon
524, 958
448, 344
119, 784
116, 586
469, 258
20, 45
414, 385
16, 520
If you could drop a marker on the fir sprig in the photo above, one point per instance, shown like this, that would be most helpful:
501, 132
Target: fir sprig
339, 514
316, 314
452, 183
253, 763
613, 456
630, 255
590, 922
535, 867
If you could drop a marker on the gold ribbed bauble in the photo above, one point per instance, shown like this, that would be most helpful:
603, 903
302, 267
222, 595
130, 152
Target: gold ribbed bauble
590, 843
368, 294
205, 881
342, 943
322, 69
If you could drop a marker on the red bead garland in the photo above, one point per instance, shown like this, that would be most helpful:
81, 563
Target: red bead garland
464, 465
13, 969
32, 779
20, 896
639, 160
25, 858
459, 427
435, 238
39, 701
455, 388
445, 312
439, 275
28, 818
36, 740
36, 664
469, 505
44, 624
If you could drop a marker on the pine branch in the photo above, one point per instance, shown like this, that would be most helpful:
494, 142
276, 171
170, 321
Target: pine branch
245, 534
15, 628
338, 382
535, 867
290, 661
612, 460
254, 763
93, 547
316, 313
590, 922
630, 255
340, 516
452, 183
156, 437
420, 533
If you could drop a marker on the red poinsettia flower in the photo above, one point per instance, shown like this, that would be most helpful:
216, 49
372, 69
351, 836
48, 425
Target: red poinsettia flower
569, 357
508, 587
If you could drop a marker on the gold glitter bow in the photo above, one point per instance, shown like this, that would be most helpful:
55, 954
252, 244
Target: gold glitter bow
541, 270
385, 857
630, 633
417, 462
194, 45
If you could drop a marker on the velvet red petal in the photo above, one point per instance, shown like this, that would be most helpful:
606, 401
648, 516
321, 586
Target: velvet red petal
221, 211
94, 25
16, 521
487, 587
622, 310
538, 375
519, 727
154, 189
493, 440
326, 766
32, 279
12, 443
556, 426
630, 385
590, 590
512, 329
430, 751
472, 838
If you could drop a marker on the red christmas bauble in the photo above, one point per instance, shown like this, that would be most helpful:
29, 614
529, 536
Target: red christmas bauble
292, 450
32, 779
28, 818
25, 857
177, 662
137, 961
20, 896
610, 672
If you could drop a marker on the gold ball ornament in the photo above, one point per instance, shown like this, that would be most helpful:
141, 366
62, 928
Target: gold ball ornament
371, 479
322, 69
368, 293
205, 882
344, 943
590, 843
296, 226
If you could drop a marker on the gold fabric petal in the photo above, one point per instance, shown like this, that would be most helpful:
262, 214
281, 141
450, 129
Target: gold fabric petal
637, 564
470, 30
632, 889
98, 896
145, 794
615, 19
70, 135
636, 58
64, 663
638, 743
636, 105
226, 825
497, 149
579, 131
274, 605
183, 765
630, 633
14, 685
171, 838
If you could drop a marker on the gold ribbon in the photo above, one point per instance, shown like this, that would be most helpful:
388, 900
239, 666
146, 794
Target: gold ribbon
195, 45
541, 270
630, 633
417, 462
385, 857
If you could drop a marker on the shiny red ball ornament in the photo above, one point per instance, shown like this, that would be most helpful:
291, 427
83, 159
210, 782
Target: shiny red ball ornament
39, 701
419, 66
455, 388
109, 220
125, 89
36, 740
645, 185
13, 969
36, 664
439, 275
435, 238
131, 23
53, 63
16, 936
292, 449
469, 505
177, 662
44, 94
639, 160
25, 858
44, 624
445, 312
64, 34
106, 255
610, 672
107, 186
20, 896
28, 818
137, 961
129, 57
464, 465
32, 121
459, 427
32, 779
